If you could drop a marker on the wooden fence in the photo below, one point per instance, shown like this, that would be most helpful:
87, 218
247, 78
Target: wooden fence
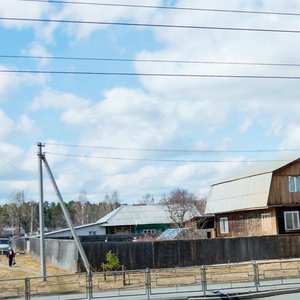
184, 253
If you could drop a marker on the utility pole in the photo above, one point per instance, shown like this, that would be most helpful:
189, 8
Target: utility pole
41, 212
68, 218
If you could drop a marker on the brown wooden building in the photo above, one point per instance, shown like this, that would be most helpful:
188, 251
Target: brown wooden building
261, 200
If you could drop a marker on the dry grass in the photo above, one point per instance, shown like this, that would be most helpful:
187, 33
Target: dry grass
12, 279
26, 266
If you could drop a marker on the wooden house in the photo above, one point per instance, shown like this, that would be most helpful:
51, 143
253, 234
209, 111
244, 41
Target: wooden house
137, 219
126, 220
261, 200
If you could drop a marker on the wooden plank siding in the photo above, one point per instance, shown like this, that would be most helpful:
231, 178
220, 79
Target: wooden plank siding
279, 192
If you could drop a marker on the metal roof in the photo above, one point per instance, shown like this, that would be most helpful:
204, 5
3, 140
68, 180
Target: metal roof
245, 193
260, 168
246, 189
68, 229
137, 215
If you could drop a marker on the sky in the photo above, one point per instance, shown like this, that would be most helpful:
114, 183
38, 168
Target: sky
138, 134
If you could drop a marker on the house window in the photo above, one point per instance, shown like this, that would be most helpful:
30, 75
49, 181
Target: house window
294, 184
223, 225
266, 221
92, 232
149, 231
291, 220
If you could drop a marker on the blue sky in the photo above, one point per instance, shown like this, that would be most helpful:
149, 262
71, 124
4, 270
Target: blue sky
107, 120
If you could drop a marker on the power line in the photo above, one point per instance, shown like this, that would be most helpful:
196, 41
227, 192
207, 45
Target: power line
149, 60
150, 74
172, 150
13, 166
166, 7
157, 160
150, 25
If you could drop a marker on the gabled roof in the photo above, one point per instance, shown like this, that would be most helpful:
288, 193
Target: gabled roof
68, 229
261, 168
247, 189
137, 215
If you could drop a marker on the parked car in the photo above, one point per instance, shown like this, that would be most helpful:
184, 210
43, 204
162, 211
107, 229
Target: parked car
4, 245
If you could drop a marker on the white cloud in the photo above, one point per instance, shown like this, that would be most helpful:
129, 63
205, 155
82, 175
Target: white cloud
102, 13
6, 125
245, 125
291, 138
16, 9
38, 50
164, 112
53, 99
7, 82
25, 125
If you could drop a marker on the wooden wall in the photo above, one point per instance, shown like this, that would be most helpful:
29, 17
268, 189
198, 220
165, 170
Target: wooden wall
279, 191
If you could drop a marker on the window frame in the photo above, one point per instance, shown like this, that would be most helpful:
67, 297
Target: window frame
149, 231
294, 184
266, 223
224, 228
294, 213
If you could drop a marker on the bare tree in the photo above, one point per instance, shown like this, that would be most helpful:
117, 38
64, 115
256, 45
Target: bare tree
18, 215
147, 199
182, 206
81, 209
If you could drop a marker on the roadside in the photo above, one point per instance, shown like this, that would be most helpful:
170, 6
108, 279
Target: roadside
26, 266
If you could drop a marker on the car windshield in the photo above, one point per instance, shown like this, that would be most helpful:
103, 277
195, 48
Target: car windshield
4, 241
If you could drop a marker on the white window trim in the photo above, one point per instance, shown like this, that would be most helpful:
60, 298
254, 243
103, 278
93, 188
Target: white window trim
149, 231
266, 221
297, 216
224, 225
293, 186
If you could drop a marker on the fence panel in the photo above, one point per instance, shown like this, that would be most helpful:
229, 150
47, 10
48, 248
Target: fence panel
279, 273
233, 276
118, 283
242, 277
177, 280
73, 286
12, 288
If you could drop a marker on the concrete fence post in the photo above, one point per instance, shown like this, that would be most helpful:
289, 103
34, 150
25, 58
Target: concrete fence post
256, 276
148, 283
27, 288
203, 279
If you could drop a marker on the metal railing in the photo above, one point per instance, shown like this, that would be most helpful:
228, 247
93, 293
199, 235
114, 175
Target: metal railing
250, 277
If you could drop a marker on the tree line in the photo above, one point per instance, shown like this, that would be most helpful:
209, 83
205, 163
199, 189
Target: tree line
22, 215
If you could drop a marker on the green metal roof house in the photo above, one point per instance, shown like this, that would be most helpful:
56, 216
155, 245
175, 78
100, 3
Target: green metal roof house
137, 219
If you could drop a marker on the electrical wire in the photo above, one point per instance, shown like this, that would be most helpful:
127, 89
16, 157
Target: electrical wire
13, 166
4, 176
149, 60
166, 7
157, 160
251, 29
171, 150
150, 74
